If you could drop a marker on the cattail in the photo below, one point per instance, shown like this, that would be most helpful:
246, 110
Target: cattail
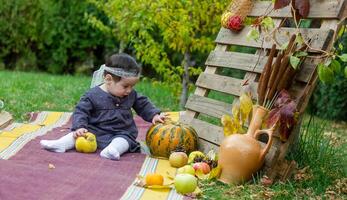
265, 75
281, 70
274, 71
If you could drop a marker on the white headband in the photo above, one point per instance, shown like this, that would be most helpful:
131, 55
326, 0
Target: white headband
120, 72
99, 79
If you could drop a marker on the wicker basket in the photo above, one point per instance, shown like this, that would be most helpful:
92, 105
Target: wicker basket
235, 14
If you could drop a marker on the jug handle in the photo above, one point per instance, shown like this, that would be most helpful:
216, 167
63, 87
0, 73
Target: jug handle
269, 132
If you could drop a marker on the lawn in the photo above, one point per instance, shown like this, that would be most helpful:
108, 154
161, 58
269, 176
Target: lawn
321, 149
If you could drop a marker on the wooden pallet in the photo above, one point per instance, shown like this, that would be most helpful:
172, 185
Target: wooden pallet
5, 119
327, 13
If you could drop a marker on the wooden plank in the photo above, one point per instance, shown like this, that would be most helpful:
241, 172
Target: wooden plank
188, 115
206, 146
5, 119
208, 131
221, 83
246, 62
225, 36
319, 9
208, 106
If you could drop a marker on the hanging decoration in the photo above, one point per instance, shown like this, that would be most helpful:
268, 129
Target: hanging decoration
233, 18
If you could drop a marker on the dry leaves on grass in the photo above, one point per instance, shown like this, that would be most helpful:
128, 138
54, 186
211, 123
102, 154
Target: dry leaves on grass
266, 181
335, 138
337, 189
303, 174
307, 193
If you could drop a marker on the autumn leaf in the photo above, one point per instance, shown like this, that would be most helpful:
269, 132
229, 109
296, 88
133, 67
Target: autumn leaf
283, 114
235, 110
281, 4
215, 172
229, 125
302, 6
283, 98
246, 106
287, 120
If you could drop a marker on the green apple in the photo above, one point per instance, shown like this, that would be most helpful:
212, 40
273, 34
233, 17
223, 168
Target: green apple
187, 169
185, 183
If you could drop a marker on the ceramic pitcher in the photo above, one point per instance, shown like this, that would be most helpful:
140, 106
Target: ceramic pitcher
241, 155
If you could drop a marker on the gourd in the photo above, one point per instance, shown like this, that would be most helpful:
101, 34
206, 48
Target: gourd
163, 138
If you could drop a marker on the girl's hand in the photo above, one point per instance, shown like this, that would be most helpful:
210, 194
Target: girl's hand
159, 118
80, 132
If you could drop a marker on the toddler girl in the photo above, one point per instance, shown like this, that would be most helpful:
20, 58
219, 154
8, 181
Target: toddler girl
105, 110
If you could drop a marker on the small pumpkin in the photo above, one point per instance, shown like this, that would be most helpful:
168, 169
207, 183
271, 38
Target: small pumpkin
163, 138
154, 179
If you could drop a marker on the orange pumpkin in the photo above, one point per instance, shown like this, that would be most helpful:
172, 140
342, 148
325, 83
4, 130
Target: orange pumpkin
154, 179
162, 139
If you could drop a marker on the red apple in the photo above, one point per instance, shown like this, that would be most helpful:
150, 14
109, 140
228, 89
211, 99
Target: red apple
178, 159
203, 167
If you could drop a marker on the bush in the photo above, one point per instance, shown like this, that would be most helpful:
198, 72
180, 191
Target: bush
50, 35
330, 101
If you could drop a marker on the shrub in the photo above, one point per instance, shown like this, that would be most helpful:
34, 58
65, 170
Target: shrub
330, 101
49, 35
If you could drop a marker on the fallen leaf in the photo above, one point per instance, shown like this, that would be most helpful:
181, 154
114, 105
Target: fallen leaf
51, 166
266, 181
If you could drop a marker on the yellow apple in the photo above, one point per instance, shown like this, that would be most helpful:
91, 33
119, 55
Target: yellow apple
86, 143
178, 159
187, 169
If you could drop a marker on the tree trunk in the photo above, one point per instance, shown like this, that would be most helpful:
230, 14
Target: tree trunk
185, 79
121, 46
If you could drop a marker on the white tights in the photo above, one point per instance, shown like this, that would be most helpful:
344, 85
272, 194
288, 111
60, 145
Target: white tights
113, 151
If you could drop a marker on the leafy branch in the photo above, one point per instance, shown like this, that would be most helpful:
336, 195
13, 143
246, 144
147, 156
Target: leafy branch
330, 66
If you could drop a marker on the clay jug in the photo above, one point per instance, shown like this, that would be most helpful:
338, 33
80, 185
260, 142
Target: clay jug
241, 155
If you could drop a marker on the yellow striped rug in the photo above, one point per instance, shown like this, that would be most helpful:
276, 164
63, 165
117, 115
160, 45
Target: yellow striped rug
16, 135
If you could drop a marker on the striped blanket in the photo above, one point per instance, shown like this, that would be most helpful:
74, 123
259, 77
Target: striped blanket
28, 172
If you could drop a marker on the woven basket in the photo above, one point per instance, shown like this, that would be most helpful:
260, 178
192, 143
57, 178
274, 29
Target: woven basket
239, 9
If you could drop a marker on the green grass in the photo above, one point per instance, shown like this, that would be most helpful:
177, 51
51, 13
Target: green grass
321, 147
24, 92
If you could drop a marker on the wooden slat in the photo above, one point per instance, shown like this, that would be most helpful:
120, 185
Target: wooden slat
189, 115
221, 83
5, 119
246, 62
206, 146
208, 106
236, 60
319, 9
208, 131
225, 36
